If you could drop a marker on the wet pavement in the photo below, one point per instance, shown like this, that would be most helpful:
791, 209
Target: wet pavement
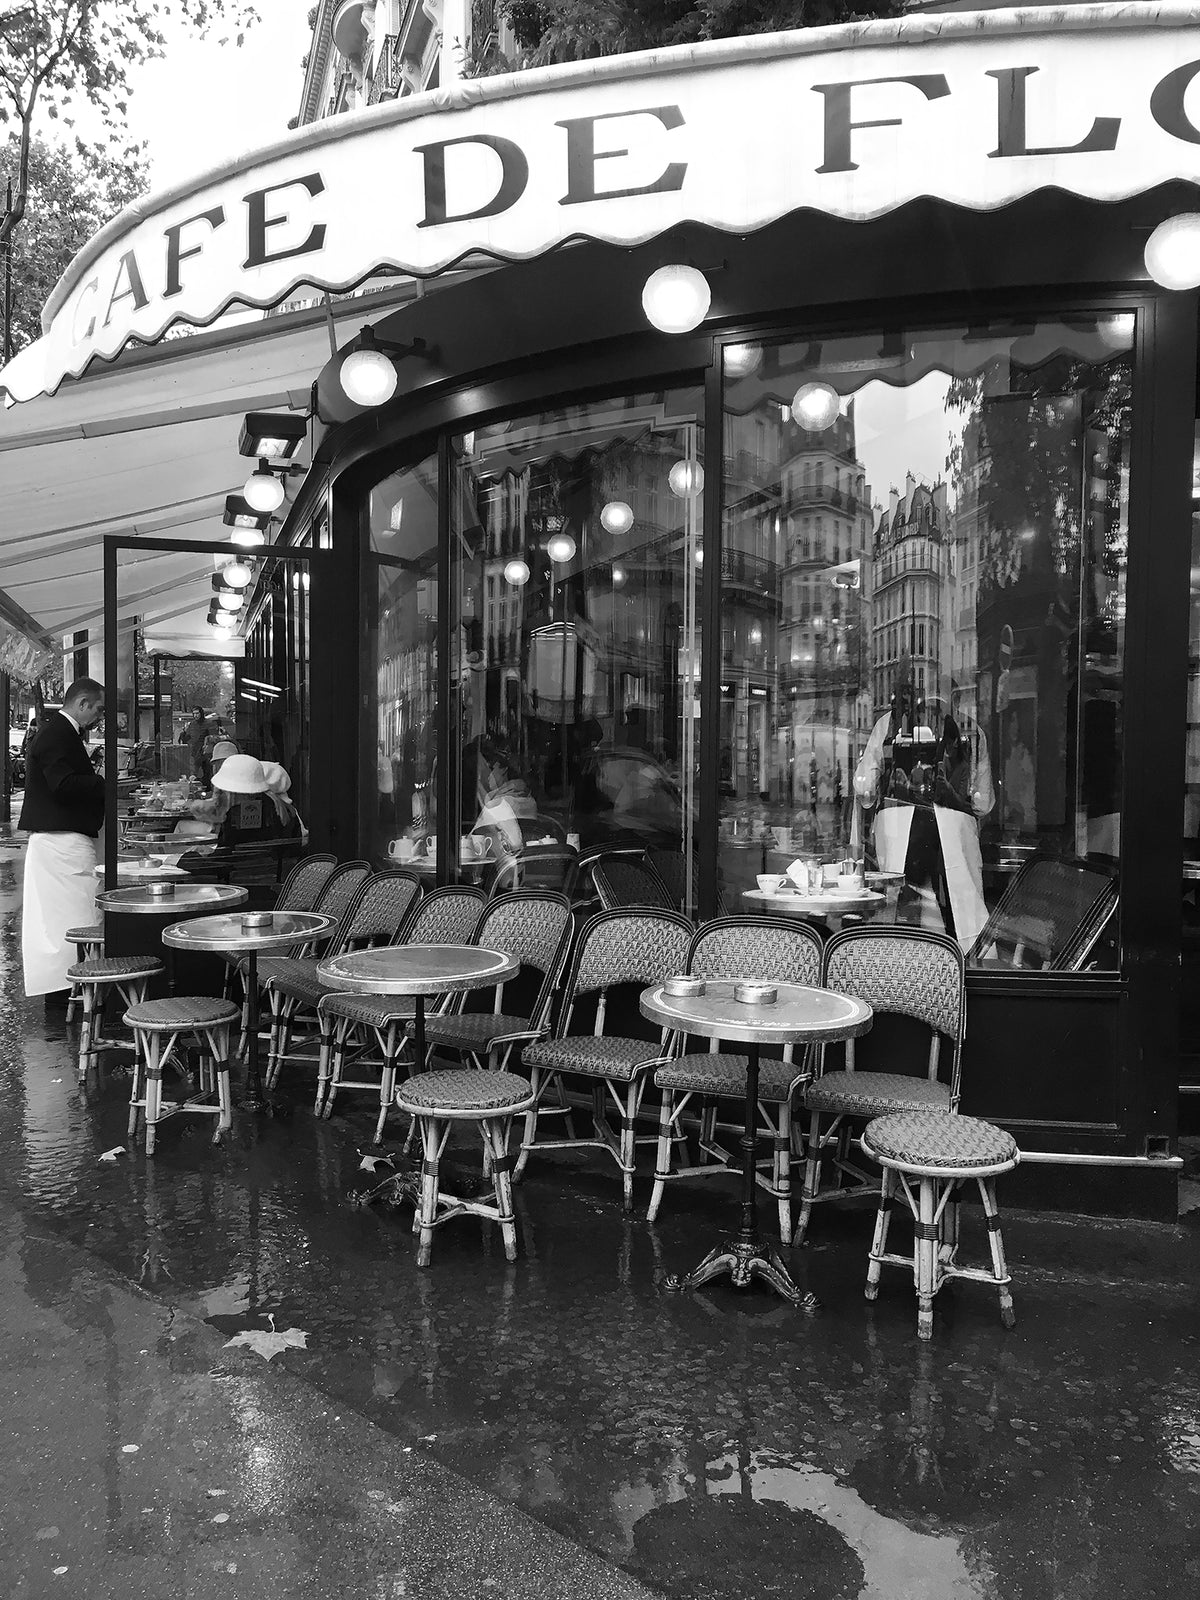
562, 1425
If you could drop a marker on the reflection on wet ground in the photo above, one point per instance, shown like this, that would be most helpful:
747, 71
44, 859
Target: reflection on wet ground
712, 1444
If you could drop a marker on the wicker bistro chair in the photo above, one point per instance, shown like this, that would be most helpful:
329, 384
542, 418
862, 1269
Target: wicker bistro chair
539, 866
738, 947
623, 881
639, 946
207, 1023
929, 1155
89, 946
334, 899
375, 916
97, 979
904, 971
682, 880
349, 1022
1050, 917
300, 892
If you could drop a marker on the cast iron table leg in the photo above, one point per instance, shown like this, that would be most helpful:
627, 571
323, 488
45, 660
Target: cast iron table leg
256, 1097
747, 1256
419, 1034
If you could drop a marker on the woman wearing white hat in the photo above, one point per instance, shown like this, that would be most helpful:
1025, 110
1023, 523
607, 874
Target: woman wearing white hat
240, 821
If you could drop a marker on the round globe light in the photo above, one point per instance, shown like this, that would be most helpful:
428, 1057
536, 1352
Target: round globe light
248, 538
1173, 252
616, 517
368, 377
676, 299
230, 600
516, 573
686, 480
560, 548
237, 574
264, 491
815, 406
742, 359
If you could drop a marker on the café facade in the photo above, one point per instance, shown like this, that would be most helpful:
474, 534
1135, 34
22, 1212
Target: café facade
765, 400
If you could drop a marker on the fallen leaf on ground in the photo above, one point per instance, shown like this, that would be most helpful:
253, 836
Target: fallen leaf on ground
269, 1342
373, 1163
111, 1155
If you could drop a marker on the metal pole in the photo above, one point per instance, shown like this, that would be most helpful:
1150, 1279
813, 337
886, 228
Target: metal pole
6, 774
8, 281
157, 717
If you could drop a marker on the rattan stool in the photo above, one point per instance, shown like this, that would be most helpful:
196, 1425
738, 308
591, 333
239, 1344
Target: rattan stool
96, 979
933, 1153
435, 1100
159, 1026
89, 946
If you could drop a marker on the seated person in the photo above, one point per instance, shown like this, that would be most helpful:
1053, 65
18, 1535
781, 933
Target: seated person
250, 802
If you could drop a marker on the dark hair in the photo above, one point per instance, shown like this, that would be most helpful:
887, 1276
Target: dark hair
83, 688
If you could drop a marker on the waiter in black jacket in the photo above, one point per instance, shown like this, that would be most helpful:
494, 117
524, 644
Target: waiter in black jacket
63, 813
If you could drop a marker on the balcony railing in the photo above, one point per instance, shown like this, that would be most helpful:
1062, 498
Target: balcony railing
385, 85
819, 494
756, 571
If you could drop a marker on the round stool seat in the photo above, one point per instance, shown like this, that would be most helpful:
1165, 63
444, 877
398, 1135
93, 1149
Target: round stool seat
464, 1092
182, 1011
937, 1142
115, 969
93, 935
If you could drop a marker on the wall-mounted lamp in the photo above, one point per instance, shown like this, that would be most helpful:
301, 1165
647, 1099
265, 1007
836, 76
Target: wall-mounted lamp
686, 480
517, 573
236, 574
616, 517
816, 406
1172, 252
262, 490
368, 372
274, 434
560, 548
676, 298
242, 517
742, 359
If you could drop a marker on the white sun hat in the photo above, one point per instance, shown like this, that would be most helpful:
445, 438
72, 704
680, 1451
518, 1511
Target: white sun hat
240, 774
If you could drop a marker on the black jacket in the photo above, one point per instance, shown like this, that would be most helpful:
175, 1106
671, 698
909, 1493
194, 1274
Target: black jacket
63, 791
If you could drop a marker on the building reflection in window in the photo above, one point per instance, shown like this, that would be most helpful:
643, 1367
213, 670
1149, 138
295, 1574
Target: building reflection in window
924, 543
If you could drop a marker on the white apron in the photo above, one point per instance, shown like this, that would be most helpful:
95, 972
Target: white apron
960, 852
60, 893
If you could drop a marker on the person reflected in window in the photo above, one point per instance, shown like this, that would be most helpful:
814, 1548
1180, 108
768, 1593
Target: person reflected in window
1020, 784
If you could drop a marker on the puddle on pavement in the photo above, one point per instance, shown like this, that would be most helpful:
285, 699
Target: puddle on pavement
709, 1443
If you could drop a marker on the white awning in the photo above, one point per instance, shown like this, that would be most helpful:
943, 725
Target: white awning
977, 109
149, 447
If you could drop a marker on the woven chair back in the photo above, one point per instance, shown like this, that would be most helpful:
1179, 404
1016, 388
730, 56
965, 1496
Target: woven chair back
635, 946
912, 972
682, 879
444, 916
1049, 917
756, 947
340, 888
621, 883
535, 926
304, 883
378, 910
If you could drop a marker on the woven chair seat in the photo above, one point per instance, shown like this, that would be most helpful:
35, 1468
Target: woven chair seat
937, 1139
874, 1094
724, 1075
463, 1090
92, 935
478, 1030
607, 1056
113, 969
293, 976
182, 1011
376, 1010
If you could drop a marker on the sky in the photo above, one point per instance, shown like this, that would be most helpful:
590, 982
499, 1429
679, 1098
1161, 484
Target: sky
202, 104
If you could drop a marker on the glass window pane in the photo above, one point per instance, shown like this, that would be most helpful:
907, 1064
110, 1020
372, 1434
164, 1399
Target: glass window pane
401, 611
576, 539
945, 701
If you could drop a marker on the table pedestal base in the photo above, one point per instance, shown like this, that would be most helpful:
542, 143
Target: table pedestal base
744, 1261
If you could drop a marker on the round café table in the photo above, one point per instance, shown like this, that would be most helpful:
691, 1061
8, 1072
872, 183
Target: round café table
187, 900
416, 972
225, 933
799, 1015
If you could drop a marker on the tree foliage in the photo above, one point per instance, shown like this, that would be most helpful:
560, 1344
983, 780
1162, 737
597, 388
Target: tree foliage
577, 30
73, 191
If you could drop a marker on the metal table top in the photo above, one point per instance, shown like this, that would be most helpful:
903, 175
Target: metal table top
799, 1014
224, 931
187, 896
417, 969
820, 903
